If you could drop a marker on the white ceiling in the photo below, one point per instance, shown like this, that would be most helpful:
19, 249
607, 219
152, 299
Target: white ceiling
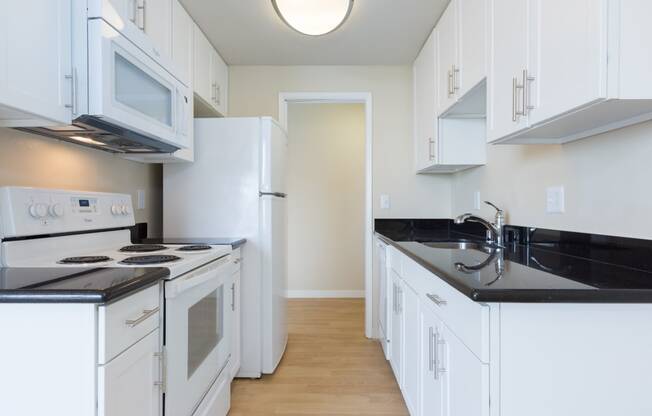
378, 32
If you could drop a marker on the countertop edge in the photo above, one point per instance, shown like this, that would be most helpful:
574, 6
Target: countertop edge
596, 295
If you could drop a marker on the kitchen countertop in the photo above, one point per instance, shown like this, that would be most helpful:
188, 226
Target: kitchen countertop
524, 273
74, 285
224, 241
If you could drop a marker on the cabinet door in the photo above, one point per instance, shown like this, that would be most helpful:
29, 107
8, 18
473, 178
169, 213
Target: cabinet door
425, 113
464, 378
397, 328
202, 67
447, 72
472, 44
236, 343
411, 349
129, 385
431, 386
36, 65
157, 25
220, 83
508, 51
182, 27
568, 56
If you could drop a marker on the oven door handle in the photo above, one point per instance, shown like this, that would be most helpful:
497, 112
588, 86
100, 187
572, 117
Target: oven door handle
218, 269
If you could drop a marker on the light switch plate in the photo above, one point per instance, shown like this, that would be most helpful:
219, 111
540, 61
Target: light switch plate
385, 202
555, 200
141, 199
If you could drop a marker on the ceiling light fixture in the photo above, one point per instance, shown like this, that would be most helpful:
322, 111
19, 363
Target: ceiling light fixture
313, 17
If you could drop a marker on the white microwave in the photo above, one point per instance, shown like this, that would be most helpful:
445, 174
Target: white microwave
123, 100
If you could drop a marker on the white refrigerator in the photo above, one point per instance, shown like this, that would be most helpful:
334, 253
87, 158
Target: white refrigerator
237, 188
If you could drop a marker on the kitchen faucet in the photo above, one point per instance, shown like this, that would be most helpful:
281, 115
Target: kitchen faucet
495, 228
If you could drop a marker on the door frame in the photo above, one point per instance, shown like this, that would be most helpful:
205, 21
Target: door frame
284, 99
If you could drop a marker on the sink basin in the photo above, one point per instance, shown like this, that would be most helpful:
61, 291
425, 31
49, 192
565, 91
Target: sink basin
461, 245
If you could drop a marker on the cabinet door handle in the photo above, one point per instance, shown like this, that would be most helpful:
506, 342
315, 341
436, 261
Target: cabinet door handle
233, 296
436, 299
437, 342
450, 82
73, 91
527, 79
431, 148
143, 10
146, 314
218, 94
134, 11
514, 83
430, 349
456, 86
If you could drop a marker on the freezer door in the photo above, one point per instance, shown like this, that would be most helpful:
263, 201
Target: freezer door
274, 145
274, 280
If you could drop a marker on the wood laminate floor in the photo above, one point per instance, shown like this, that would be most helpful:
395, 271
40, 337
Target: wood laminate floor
329, 368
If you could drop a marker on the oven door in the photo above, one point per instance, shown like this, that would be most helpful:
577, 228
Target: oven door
197, 334
129, 89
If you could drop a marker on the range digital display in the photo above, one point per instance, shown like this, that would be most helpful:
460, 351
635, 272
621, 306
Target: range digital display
84, 203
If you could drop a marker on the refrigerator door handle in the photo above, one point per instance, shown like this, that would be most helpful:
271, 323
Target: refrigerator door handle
276, 194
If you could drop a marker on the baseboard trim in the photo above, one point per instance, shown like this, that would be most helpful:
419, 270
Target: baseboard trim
322, 294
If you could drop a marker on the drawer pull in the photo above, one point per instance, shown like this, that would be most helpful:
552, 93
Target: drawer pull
436, 299
146, 314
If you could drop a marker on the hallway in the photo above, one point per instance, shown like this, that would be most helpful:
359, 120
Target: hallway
329, 368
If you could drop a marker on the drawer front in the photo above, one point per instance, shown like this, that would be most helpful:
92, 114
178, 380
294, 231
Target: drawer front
123, 323
218, 399
395, 260
467, 319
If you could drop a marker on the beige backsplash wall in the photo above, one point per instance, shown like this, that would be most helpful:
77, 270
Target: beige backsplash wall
31, 160
254, 90
607, 181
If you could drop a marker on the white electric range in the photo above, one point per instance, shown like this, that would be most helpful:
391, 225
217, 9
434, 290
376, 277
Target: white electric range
63, 229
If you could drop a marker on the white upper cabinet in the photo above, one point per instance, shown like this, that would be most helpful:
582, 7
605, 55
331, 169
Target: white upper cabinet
211, 77
156, 18
425, 113
36, 77
182, 32
449, 92
557, 77
508, 62
220, 84
471, 44
448, 68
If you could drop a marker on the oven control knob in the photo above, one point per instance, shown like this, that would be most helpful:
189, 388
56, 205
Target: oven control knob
126, 210
115, 210
56, 210
38, 210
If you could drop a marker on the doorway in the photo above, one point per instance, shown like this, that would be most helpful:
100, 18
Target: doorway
318, 194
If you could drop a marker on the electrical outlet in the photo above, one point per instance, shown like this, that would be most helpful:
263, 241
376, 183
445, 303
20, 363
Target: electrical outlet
141, 199
477, 200
555, 201
385, 202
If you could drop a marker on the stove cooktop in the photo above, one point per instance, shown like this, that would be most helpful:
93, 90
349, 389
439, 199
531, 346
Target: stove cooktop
85, 260
151, 259
142, 248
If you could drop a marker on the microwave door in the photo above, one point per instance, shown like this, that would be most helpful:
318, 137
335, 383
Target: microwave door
128, 88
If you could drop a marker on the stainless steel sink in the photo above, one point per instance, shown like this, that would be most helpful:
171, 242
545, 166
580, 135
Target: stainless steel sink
461, 245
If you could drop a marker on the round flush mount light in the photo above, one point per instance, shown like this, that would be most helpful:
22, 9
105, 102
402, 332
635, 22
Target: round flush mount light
313, 17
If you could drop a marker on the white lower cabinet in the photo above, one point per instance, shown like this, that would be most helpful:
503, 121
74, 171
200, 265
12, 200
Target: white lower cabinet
130, 385
411, 344
430, 402
397, 327
236, 340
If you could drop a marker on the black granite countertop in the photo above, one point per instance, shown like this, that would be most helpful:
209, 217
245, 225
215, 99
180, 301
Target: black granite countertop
530, 273
74, 285
223, 241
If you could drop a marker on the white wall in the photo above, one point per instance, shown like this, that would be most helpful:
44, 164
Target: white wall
253, 91
607, 180
31, 160
326, 203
